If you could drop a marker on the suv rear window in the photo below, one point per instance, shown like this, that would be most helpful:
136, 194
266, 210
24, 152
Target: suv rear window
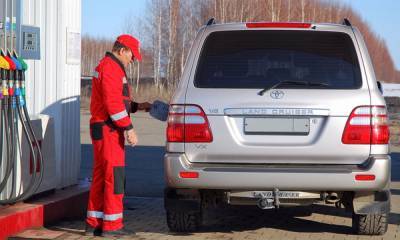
261, 59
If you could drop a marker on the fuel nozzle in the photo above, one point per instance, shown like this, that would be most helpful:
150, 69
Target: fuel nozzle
14, 58
4, 65
5, 68
21, 67
10, 74
17, 78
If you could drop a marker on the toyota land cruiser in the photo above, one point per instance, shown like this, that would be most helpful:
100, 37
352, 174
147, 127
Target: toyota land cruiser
274, 115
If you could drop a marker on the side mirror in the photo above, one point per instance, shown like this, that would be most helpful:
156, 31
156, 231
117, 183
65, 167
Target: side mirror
380, 86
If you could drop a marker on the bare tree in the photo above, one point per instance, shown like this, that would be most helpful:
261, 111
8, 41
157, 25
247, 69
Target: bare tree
169, 28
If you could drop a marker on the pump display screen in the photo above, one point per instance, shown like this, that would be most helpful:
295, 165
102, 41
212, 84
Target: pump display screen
29, 41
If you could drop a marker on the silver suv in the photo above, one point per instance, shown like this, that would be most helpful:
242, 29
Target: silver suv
275, 115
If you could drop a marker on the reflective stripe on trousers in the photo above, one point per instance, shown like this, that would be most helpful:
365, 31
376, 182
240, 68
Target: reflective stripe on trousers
106, 217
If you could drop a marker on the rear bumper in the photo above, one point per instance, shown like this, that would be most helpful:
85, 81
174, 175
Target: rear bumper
243, 177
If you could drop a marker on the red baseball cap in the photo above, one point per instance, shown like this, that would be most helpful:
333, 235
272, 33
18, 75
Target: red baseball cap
132, 43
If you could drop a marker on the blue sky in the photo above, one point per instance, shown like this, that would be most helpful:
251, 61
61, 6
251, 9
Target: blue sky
105, 18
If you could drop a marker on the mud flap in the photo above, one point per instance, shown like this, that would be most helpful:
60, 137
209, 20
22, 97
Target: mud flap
181, 202
371, 202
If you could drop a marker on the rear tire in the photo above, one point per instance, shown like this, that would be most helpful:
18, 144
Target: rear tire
178, 221
370, 224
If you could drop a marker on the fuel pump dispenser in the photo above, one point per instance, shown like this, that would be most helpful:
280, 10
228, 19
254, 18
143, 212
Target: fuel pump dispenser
13, 112
15, 122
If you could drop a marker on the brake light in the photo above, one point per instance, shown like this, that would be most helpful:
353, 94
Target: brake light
365, 177
188, 123
278, 25
189, 174
367, 125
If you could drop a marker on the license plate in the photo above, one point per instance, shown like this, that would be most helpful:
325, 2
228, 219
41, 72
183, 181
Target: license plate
277, 126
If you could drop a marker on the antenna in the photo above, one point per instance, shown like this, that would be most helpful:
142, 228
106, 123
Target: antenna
211, 21
346, 22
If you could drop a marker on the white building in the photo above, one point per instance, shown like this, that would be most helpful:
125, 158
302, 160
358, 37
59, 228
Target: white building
53, 81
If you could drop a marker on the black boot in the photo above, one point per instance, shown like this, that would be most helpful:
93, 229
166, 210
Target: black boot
91, 231
119, 233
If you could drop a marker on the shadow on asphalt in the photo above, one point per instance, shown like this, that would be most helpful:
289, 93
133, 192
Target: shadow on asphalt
230, 219
394, 218
395, 191
238, 219
288, 219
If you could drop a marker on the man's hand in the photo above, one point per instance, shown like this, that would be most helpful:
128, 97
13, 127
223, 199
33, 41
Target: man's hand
145, 106
131, 137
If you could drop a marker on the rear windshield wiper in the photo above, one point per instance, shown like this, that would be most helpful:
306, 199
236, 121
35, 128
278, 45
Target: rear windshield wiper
293, 83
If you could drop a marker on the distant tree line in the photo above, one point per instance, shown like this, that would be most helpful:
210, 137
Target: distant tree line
169, 26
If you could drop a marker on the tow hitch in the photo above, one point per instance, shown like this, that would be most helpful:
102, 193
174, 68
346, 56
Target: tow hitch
268, 200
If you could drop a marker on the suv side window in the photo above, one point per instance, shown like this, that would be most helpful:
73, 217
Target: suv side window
258, 59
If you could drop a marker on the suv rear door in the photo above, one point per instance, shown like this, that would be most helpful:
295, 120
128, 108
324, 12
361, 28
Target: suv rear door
300, 121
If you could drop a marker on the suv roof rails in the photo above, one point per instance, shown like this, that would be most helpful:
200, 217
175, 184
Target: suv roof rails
211, 21
346, 22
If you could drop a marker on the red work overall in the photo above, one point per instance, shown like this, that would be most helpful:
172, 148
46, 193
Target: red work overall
110, 107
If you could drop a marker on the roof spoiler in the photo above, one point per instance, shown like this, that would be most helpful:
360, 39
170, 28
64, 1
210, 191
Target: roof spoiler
345, 22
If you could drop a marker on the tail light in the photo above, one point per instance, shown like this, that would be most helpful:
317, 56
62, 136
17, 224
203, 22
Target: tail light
365, 177
188, 123
189, 174
367, 125
278, 25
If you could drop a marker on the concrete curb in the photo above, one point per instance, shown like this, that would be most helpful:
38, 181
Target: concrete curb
68, 203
